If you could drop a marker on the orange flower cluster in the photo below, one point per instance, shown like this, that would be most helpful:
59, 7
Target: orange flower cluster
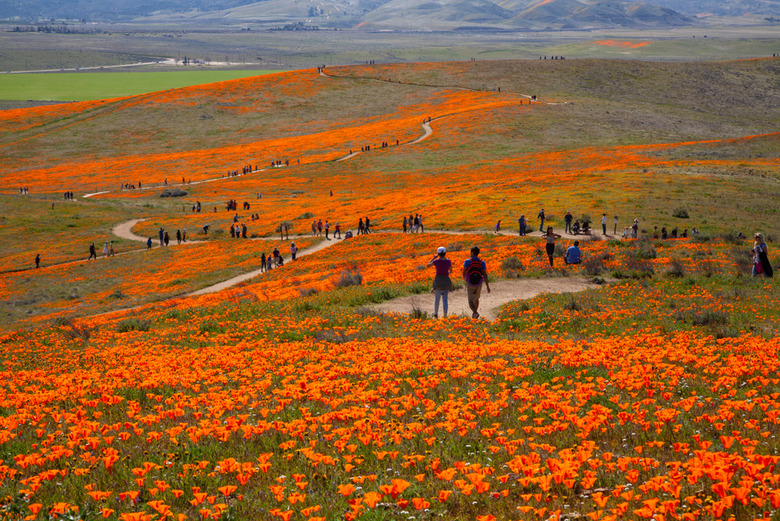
643, 425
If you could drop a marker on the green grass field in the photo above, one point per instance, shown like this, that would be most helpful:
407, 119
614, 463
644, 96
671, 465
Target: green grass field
103, 85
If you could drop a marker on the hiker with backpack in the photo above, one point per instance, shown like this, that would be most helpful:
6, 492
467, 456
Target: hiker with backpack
475, 273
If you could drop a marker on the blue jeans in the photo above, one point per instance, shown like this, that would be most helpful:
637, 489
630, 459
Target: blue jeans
541, 225
440, 294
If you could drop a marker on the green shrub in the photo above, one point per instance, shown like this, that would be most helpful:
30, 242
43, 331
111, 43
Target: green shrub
680, 213
349, 277
133, 324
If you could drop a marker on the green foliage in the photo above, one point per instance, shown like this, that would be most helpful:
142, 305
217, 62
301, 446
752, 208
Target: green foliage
133, 324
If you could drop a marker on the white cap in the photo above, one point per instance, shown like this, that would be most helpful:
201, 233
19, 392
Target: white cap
441, 249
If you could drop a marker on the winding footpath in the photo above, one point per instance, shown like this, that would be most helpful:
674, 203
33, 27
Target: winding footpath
506, 291
502, 293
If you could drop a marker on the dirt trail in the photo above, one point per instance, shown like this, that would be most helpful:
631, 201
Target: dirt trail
506, 292
252, 274
503, 291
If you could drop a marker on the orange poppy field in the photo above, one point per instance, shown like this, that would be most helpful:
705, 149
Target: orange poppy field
135, 389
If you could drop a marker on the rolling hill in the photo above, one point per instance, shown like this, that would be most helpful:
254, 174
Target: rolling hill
414, 15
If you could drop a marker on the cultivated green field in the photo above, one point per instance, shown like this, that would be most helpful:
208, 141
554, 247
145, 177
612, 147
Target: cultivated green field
84, 86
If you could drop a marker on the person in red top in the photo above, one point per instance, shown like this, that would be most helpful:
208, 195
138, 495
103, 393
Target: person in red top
442, 284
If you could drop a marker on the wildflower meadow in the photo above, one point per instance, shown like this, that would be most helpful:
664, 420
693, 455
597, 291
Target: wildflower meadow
190, 381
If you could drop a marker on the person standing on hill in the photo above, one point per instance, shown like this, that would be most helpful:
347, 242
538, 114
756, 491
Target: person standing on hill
761, 264
442, 284
38, 260
521, 224
368, 226
161, 234
475, 273
361, 229
614, 231
327, 230
549, 238
105, 249
293, 250
604, 223
405, 224
337, 231
567, 219
540, 216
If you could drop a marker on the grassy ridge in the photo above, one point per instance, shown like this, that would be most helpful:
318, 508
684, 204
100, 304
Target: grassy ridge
90, 86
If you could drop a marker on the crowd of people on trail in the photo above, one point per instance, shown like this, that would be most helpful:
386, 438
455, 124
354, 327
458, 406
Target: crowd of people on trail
68, 196
24, 190
130, 186
414, 223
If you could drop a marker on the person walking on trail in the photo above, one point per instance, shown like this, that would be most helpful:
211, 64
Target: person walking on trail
604, 224
337, 231
105, 249
540, 216
550, 237
262, 263
497, 227
442, 284
420, 224
614, 231
475, 273
405, 223
149, 244
361, 229
368, 226
38, 260
161, 234
166, 238
521, 224
568, 218
573, 254
178, 236
314, 228
293, 250
319, 228
111, 252
327, 230
92, 252
635, 229
761, 264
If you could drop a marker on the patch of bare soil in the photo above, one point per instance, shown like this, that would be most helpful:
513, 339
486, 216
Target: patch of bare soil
503, 291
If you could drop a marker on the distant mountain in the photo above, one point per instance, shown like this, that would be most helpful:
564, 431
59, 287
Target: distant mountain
574, 14
392, 14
